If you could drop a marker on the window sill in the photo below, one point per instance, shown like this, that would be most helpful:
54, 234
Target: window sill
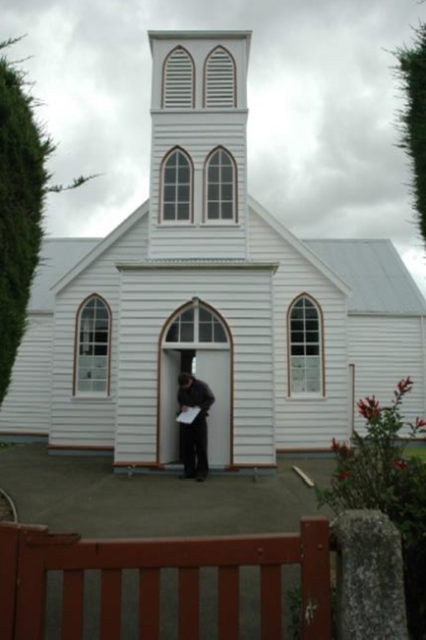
173, 223
201, 225
91, 398
312, 397
220, 223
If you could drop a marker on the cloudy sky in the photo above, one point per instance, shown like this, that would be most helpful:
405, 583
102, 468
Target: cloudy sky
323, 99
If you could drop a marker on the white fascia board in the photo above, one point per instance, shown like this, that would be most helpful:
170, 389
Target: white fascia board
101, 247
299, 246
199, 35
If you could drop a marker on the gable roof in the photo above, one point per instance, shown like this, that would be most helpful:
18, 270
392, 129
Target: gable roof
379, 279
57, 257
300, 247
101, 246
371, 272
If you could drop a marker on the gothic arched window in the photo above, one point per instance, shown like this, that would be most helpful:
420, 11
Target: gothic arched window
177, 174
305, 347
221, 186
93, 341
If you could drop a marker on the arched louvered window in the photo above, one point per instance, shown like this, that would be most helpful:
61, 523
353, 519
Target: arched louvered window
93, 347
177, 187
305, 348
220, 176
220, 80
178, 80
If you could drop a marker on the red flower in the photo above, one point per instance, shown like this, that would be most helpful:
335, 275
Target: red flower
420, 423
405, 385
370, 408
343, 475
344, 450
399, 464
334, 445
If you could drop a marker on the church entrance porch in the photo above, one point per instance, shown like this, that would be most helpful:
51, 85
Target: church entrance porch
196, 340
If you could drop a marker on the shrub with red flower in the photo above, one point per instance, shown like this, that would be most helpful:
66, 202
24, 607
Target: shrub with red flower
405, 385
369, 408
373, 474
419, 424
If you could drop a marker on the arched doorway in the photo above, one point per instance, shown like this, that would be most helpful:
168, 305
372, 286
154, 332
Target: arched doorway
196, 339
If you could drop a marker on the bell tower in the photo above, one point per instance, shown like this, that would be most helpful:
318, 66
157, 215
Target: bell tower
198, 186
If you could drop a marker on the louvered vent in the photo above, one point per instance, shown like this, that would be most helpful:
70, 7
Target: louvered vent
179, 80
220, 80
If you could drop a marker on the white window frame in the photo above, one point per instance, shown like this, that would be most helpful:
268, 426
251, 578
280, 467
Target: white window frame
196, 343
220, 220
176, 185
307, 358
101, 393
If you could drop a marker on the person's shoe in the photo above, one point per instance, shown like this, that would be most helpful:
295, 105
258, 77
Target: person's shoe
186, 476
201, 478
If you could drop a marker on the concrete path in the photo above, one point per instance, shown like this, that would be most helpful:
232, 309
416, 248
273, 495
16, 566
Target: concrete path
81, 494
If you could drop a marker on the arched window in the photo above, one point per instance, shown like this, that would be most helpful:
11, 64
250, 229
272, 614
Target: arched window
221, 186
178, 80
196, 324
305, 348
93, 347
177, 187
219, 80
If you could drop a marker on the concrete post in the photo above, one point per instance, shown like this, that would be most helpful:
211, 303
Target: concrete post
370, 586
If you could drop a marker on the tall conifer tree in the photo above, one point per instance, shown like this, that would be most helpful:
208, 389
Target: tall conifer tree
412, 65
24, 149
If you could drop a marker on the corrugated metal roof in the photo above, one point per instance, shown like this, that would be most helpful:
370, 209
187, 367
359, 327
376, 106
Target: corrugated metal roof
374, 270
58, 255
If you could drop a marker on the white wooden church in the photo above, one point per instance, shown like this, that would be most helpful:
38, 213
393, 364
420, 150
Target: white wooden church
288, 333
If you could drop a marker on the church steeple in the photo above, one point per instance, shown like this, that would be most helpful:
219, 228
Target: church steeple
198, 159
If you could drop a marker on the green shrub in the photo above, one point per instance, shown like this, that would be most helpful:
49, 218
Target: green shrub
373, 474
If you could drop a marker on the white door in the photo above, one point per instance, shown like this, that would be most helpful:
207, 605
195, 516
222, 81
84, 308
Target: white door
169, 428
213, 367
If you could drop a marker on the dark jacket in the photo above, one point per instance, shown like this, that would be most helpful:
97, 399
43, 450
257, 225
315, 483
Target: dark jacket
199, 395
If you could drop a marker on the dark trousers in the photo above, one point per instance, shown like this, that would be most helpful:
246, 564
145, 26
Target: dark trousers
194, 447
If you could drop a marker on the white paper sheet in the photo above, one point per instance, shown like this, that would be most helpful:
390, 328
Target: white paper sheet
188, 417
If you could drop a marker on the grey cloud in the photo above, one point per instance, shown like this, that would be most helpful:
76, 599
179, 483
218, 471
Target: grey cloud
96, 55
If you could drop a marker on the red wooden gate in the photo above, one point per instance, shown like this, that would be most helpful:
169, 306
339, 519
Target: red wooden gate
27, 553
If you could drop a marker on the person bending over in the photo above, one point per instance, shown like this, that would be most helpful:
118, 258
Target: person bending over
195, 393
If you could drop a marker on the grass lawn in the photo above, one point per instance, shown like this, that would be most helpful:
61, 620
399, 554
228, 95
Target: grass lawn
418, 452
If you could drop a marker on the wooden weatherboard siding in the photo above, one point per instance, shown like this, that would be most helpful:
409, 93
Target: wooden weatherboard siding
78, 421
243, 298
385, 349
309, 422
199, 48
26, 408
198, 134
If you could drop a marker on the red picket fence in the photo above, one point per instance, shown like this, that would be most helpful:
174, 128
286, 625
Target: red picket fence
28, 553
